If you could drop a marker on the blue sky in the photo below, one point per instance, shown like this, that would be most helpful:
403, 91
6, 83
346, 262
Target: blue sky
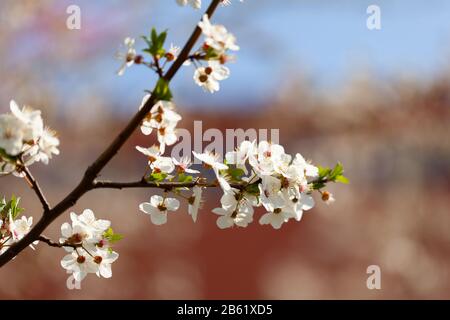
325, 41
322, 40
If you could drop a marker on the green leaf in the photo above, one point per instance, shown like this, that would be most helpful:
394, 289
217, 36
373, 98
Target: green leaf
337, 171
253, 189
111, 236
323, 172
157, 177
155, 43
342, 179
183, 178
235, 173
162, 91
10, 208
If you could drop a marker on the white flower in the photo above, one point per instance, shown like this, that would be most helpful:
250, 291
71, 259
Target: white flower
89, 237
195, 202
155, 161
236, 210
73, 235
11, 134
95, 227
309, 169
210, 161
196, 4
152, 153
158, 207
265, 158
298, 202
85, 228
80, 264
183, 166
127, 57
47, 146
173, 52
276, 216
240, 156
33, 125
104, 258
217, 36
240, 215
164, 119
163, 164
208, 77
228, 2
19, 228
270, 192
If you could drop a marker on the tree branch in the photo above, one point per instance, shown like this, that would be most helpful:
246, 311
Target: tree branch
57, 244
37, 189
93, 170
159, 185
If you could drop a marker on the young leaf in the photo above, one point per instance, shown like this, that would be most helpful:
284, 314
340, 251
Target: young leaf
162, 91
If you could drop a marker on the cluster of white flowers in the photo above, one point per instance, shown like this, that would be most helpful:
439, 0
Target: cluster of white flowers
12, 231
88, 242
218, 41
24, 139
197, 4
281, 181
164, 119
255, 175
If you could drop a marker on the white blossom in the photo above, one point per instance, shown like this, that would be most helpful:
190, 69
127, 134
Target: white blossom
164, 119
128, 56
20, 227
196, 4
208, 77
210, 161
240, 156
11, 135
195, 202
217, 36
158, 207
87, 244
183, 166
173, 52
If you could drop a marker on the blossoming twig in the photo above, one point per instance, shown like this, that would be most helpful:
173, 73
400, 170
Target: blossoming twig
93, 170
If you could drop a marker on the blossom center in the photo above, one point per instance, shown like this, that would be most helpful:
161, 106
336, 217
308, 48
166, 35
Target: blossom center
98, 259
81, 259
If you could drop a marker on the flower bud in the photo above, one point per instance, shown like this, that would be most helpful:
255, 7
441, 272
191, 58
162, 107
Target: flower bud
138, 59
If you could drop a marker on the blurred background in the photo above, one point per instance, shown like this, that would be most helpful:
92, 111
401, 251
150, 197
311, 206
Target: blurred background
378, 101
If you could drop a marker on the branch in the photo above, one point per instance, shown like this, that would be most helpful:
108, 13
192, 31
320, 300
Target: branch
57, 244
37, 189
94, 169
159, 185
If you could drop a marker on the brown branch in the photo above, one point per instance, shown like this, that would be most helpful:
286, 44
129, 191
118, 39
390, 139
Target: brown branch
37, 189
159, 185
58, 244
94, 169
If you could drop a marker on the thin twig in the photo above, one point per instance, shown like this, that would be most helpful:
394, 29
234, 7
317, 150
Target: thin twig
57, 244
37, 189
